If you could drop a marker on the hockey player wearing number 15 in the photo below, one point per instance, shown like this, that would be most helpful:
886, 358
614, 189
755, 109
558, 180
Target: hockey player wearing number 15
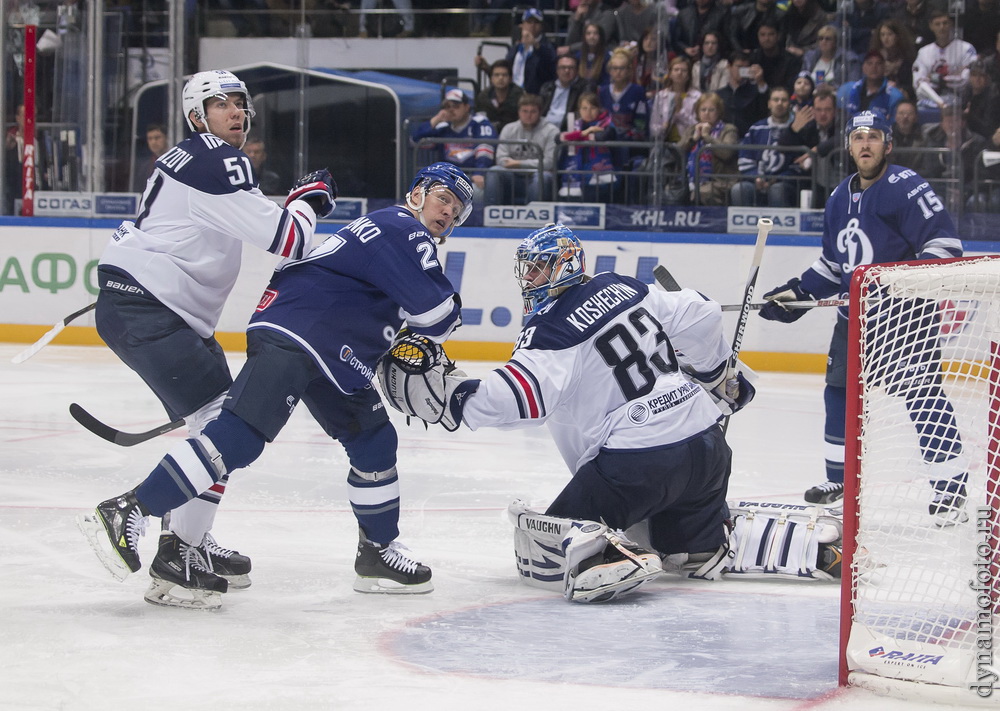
164, 279
882, 213
320, 326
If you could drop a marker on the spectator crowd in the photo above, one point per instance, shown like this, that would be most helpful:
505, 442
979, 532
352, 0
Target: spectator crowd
720, 102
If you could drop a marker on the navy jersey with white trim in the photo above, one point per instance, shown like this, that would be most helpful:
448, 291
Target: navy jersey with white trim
200, 205
601, 367
345, 301
897, 218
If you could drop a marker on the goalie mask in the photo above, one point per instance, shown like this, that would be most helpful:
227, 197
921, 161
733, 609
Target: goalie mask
450, 177
546, 263
214, 84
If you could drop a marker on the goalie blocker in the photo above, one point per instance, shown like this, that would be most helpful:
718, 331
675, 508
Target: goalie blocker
587, 562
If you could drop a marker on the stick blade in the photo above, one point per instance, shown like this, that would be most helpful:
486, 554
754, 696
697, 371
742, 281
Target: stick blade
38, 345
665, 278
122, 439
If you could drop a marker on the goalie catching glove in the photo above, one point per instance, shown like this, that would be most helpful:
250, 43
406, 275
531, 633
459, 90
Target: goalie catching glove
418, 379
318, 190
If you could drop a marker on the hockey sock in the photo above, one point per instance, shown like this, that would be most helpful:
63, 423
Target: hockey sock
373, 486
190, 468
375, 501
934, 419
191, 521
835, 400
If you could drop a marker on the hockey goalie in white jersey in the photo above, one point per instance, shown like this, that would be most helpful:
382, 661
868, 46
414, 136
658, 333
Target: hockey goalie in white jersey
632, 383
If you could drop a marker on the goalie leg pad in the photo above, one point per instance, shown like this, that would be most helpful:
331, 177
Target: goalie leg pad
538, 545
787, 540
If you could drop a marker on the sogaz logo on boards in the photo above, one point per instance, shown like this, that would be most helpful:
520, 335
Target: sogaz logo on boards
745, 219
535, 214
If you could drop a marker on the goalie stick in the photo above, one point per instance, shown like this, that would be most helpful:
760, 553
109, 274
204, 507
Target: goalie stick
124, 439
49, 335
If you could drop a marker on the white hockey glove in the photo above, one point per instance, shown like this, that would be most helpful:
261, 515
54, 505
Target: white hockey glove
318, 190
418, 379
732, 390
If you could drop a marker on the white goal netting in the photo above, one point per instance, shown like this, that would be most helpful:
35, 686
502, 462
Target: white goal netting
921, 505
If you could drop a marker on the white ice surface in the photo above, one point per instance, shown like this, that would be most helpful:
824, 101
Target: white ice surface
300, 638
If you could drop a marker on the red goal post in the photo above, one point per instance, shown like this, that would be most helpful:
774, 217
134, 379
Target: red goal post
920, 593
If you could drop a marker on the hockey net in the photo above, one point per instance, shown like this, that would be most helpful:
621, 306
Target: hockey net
920, 605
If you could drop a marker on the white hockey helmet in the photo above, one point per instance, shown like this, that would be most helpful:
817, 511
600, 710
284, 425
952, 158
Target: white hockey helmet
216, 83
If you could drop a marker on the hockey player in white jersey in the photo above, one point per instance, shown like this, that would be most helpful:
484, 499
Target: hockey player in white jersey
164, 279
318, 331
632, 383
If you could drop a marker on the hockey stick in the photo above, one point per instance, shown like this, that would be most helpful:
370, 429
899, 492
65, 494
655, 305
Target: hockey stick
124, 439
49, 335
764, 226
665, 278
818, 303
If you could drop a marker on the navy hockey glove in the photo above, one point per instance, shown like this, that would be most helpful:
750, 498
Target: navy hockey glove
792, 291
458, 389
318, 190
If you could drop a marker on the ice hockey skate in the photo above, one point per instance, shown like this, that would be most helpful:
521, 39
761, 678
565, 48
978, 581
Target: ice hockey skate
229, 564
948, 507
388, 569
825, 493
181, 577
615, 571
113, 530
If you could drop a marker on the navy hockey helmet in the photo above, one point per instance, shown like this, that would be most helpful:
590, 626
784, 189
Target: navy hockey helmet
451, 177
868, 121
547, 262
216, 83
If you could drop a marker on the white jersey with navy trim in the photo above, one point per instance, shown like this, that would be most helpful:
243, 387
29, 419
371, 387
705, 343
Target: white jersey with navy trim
600, 366
200, 205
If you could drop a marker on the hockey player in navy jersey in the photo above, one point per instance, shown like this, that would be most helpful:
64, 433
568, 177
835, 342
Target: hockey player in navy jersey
164, 279
319, 329
882, 213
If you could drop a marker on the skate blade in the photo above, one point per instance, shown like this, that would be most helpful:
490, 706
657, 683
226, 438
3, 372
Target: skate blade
94, 530
387, 586
237, 582
949, 518
162, 593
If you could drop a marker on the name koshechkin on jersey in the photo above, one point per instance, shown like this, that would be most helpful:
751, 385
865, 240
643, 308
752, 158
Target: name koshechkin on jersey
345, 301
559, 370
200, 205
897, 218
